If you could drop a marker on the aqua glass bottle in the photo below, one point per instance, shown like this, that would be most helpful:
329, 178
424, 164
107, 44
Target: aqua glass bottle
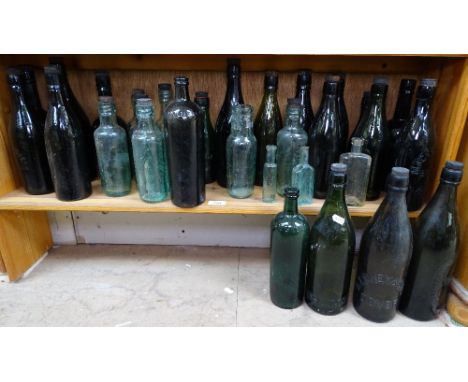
332, 242
358, 165
289, 141
203, 102
241, 152
165, 96
269, 175
303, 177
136, 94
289, 241
149, 151
112, 151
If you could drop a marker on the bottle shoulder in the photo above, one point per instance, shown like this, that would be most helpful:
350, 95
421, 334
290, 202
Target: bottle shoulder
182, 109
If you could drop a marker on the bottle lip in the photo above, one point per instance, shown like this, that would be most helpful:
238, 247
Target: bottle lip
201, 94
164, 87
379, 88
271, 80
330, 87
399, 178
291, 192
304, 78
380, 80
430, 82
144, 103
452, 172
357, 141
339, 168
52, 75
407, 84
181, 80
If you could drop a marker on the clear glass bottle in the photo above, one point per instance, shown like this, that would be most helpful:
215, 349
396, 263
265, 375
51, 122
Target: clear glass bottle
112, 151
303, 177
165, 96
267, 123
149, 151
385, 252
358, 165
241, 152
332, 242
289, 242
289, 140
269, 175
303, 84
436, 247
203, 102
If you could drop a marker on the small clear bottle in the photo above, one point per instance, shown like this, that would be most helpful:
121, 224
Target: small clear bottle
269, 175
358, 165
303, 177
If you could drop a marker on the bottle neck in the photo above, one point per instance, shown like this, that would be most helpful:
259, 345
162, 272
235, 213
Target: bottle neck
181, 92
335, 194
144, 120
303, 94
422, 107
446, 196
56, 95
108, 119
377, 106
30, 92
403, 105
17, 97
329, 102
104, 90
234, 92
270, 95
290, 206
163, 102
395, 199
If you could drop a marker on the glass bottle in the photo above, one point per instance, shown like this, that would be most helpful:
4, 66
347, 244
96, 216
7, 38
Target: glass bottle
184, 122
325, 146
203, 102
165, 96
66, 143
385, 253
288, 248
27, 136
269, 175
436, 243
402, 112
223, 123
288, 142
241, 152
136, 94
31, 95
303, 84
267, 123
373, 129
112, 151
149, 152
358, 165
303, 177
332, 242
365, 100
342, 113
416, 147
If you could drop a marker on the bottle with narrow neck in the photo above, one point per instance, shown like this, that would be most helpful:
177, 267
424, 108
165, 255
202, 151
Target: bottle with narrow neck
223, 123
365, 100
27, 136
385, 253
269, 175
436, 247
402, 111
342, 113
332, 242
303, 84
203, 102
325, 146
66, 143
267, 123
303, 177
165, 96
31, 94
136, 94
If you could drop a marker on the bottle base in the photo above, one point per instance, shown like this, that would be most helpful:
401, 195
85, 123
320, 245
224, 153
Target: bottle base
416, 317
325, 311
287, 306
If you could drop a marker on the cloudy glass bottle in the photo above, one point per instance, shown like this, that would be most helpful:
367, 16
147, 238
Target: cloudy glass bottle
303, 177
203, 102
269, 175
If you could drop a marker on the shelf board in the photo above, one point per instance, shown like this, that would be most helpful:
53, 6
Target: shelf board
217, 202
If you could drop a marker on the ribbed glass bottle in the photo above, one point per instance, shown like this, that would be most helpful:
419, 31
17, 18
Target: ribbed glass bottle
203, 102
269, 175
303, 177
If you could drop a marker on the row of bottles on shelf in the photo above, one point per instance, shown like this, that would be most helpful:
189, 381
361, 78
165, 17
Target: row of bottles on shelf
397, 268
177, 153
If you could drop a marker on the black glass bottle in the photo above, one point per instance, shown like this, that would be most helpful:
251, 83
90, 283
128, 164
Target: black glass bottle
436, 241
165, 96
184, 123
342, 113
65, 143
332, 242
288, 250
267, 123
303, 84
223, 123
203, 102
30, 92
365, 100
385, 253
416, 146
325, 145
27, 137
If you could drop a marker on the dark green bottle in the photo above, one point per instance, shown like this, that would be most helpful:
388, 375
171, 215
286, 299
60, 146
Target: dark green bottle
402, 111
288, 250
342, 113
385, 253
303, 84
203, 102
332, 242
267, 123
30, 91
436, 241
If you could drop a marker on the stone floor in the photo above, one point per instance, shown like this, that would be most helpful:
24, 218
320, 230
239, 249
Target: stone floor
134, 285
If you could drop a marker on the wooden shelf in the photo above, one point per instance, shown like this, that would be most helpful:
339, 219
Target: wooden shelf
217, 202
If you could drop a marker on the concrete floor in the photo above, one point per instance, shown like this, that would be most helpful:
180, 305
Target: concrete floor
135, 285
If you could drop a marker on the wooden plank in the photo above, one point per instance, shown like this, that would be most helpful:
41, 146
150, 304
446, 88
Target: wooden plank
2, 266
457, 309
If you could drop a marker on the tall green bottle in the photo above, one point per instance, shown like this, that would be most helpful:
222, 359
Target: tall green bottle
288, 250
332, 242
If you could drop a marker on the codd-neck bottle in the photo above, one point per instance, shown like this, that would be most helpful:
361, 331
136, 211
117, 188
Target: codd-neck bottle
436, 243
342, 113
385, 253
112, 151
303, 84
416, 146
373, 129
303, 177
325, 145
66, 143
30, 92
203, 102
267, 123
184, 122
269, 175
149, 151
223, 123
358, 165
332, 242
241, 152
27, 137
289, 140
165, 96
289, 242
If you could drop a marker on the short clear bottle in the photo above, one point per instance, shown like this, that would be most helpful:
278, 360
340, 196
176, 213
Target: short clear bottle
303, 177
269, 175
